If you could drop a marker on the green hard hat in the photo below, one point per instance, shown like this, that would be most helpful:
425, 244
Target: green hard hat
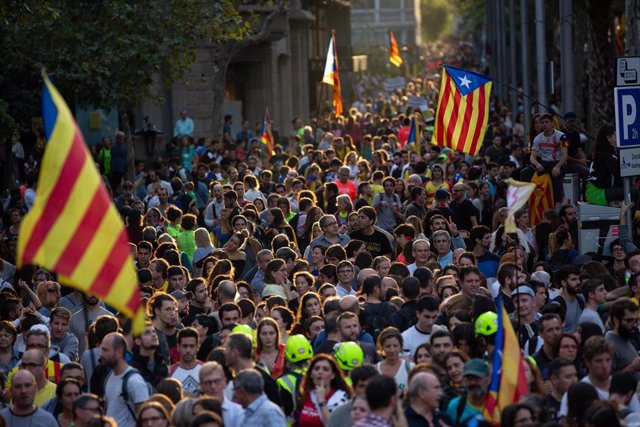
298, 349
349, 355
245, 329
487, 324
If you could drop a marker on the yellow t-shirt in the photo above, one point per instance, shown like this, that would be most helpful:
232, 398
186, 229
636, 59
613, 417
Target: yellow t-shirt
45, 394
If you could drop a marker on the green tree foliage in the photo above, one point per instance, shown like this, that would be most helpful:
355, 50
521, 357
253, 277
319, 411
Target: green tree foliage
471, 12
104, 53
437, 19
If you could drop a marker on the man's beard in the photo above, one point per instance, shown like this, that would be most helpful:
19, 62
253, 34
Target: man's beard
476, 391
571, 290
626, 333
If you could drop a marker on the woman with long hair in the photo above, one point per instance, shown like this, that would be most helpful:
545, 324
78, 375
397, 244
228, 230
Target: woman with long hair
204, 247
303, 282
66, 392
233, 248
276, 281
322, 390
580, 397
344, 205
309, 306
313, 215
222, 267
437, 182
285, 319
276, 224
317, 259
486, 214
390, 345
534, 377
269, 351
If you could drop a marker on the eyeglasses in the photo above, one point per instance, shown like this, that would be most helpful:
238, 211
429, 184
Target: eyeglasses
214, 381
30, 365
92, 408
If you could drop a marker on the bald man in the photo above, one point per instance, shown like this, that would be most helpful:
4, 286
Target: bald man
24, 413
425, 393
35, 362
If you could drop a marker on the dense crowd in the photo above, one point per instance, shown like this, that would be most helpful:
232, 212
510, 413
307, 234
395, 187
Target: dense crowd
345, 280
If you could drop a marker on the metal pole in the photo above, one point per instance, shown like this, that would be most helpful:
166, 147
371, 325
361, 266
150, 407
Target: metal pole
503, 47
626, 186
541, 53
566, 56
524, 48
512, 58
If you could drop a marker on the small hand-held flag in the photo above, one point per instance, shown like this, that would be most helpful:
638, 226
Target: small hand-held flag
463, 110
73, 227
331, 74
394, 53
518, 194
414, 135
508, 380
266, 137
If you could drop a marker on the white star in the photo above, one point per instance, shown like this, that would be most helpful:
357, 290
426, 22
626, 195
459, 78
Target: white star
464, 81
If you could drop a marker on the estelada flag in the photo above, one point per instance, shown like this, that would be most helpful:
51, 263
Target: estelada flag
541, 198
394, 53
463, 110
508, 380
73, 228
331, 74
414, 135
266, 136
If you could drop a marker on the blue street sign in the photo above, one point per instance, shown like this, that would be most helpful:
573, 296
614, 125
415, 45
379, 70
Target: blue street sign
627, 104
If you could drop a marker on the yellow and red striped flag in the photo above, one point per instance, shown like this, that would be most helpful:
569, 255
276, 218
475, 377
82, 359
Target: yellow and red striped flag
266, 137
518, 194
332, 75
394, 53
541, 198
463, 110
508, 379
73, 228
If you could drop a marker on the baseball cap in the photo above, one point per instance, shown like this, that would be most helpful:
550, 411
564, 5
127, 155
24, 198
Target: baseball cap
523, 290
181, 294
476, 368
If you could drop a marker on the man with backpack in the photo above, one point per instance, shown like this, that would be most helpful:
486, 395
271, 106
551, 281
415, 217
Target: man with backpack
125, 389
376, 313
568, 277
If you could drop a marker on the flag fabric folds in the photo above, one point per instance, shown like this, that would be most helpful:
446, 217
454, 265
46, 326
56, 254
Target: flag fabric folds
518, 194
331, 74
508, 381
266, 137
414, 135
394, 53
541, 198
463, 110
73, 228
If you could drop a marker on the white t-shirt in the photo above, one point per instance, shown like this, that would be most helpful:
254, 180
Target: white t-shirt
634, 403
190, 378
402, 375
138, 392
412, 338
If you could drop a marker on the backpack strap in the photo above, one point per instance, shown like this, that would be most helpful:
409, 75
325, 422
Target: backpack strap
124, 393
460, 409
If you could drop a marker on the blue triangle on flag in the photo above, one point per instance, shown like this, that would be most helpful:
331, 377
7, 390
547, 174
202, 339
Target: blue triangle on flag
466, 81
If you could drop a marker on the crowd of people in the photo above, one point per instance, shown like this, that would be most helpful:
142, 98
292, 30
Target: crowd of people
347, 279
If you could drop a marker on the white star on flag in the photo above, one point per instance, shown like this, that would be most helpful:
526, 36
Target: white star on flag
464, 81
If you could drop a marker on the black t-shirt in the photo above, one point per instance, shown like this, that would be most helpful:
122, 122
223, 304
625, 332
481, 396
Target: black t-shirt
326, 347
377, 243
462, 214
574, 142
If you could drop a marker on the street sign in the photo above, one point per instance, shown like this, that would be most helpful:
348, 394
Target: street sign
628, 71
627, 107
630, 162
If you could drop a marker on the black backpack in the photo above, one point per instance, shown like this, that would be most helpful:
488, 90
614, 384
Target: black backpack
124, 393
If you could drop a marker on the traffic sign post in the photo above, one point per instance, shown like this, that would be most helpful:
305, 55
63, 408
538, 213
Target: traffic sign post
627, 111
